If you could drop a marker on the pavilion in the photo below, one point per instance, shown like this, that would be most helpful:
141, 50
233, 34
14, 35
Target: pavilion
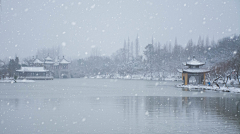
47, 67
48, 63
34, 73
37, 62
193, 71
63, 70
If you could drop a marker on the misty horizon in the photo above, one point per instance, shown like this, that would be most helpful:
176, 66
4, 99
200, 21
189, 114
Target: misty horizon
28, 26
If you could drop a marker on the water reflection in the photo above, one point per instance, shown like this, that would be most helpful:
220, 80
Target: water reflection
132, 114
184, 113
193, 89
115, 107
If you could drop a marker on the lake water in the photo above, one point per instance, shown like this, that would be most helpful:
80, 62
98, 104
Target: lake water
115, 106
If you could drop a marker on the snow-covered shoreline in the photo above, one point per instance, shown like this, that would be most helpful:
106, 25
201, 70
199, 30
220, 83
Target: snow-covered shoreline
134, 77
17, 81
215, 88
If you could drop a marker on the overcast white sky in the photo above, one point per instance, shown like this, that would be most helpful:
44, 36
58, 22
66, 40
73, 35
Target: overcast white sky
28, 25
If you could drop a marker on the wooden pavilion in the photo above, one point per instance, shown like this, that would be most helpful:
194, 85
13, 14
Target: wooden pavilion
193, 70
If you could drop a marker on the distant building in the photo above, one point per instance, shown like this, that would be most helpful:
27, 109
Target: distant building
34, 73
61, 68
198, 75
48, 63
37, 63
58, 68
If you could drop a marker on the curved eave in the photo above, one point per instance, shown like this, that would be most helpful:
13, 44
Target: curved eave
37, 61
196, 71
48, 59
64, 61
180, 70
197, 64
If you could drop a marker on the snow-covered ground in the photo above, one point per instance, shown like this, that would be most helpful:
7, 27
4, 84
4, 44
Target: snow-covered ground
215, 88
135, 77
232, 81
17, 81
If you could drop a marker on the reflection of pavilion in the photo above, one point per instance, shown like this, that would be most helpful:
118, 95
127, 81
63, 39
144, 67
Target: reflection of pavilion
194, 72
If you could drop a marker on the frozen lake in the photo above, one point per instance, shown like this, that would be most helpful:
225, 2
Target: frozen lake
115, 106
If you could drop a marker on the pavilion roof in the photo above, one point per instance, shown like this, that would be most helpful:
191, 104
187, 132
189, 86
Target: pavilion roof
48, 58
37, 61
32, 69
196, 70
194, 62
64, 61
180, 70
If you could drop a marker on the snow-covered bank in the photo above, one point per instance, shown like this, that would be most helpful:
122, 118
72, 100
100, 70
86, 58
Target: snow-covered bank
215, 88
17, 81
134, 77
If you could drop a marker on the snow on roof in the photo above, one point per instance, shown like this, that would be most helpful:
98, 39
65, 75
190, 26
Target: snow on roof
48, 58
195, 62
64, 61
37, 61
196, 70
180, 70
32, 69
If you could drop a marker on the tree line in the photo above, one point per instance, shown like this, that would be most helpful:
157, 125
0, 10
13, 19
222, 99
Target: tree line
159, 60
8, 68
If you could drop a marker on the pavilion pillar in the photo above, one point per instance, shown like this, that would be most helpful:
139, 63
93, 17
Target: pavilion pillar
185, 76
204, 78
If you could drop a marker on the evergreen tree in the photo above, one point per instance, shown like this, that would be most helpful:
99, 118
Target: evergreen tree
137, 47
149, 53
